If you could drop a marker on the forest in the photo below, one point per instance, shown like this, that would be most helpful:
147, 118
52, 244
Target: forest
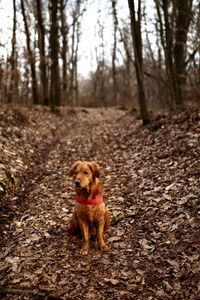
114, 82
151, 62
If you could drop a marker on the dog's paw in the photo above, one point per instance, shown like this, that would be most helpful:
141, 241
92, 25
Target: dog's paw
84, 251
104, 248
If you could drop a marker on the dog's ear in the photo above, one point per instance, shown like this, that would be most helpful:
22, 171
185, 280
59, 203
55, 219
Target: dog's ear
95, 169
73, 168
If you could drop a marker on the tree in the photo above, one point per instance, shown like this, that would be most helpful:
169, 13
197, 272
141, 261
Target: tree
54, 48
77, 13
41, 42
13, 92
114, 75
174, 26
183, 19
65, 47
31, 56
137, 46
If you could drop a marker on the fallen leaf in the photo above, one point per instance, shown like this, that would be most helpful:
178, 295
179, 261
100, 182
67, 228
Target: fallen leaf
112, 281
54, 277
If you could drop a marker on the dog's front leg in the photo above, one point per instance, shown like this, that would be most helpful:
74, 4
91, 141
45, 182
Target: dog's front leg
85, 234
100, 231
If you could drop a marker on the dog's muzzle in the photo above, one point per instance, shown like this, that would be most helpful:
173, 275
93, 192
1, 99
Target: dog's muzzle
77, 184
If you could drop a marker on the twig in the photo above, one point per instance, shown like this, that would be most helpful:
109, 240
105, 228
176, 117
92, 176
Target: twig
120, 218
19, 291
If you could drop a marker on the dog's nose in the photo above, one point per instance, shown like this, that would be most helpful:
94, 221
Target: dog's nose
77, 183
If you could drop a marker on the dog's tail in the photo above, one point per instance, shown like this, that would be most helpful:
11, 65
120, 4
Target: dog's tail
107, 221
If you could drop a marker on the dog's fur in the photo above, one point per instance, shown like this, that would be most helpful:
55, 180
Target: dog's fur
88, 220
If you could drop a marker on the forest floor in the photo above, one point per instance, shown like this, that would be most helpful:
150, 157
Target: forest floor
151, 179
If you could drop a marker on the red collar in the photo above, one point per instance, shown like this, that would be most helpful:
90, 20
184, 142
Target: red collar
89, 202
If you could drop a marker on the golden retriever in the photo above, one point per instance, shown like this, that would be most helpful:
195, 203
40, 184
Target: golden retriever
90, 216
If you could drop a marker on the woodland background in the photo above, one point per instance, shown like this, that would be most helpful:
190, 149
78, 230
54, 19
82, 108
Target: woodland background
152, 55
136, 114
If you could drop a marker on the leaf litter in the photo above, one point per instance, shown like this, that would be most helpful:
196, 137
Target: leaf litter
151, 186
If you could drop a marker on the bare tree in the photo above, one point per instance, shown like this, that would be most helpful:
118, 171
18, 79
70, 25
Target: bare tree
173, 33
114, 74
77, 13
65, 47
13, 92
128, 61
137, 46
99, 83
54, 48
43, 60
31, 56
183, 19
165, 72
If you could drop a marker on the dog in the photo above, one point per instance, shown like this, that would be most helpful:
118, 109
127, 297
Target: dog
90, 217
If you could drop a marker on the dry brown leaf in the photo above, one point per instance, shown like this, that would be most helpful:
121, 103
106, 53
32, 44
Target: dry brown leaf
112, 281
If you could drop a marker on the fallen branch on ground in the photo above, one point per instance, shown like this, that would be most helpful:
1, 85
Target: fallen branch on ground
19, 291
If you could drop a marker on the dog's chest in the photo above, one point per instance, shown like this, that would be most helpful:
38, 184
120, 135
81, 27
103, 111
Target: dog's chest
89, 213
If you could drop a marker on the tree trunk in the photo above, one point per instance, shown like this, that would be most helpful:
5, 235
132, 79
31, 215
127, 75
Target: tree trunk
137, 46
169, 51
184, 16
124, 35
72, 62
76, 63
64, 52
166, 41
31, 56
55, 76
114, 74
43, 63
13, 93
73, 88
175, 55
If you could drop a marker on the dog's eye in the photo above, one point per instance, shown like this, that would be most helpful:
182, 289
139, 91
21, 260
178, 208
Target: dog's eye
86, 173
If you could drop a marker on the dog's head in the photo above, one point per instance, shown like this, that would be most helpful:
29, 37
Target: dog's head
84, 174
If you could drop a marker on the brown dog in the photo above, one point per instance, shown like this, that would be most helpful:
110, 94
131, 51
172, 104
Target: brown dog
90, 216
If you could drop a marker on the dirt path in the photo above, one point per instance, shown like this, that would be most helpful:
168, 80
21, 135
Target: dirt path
151, 183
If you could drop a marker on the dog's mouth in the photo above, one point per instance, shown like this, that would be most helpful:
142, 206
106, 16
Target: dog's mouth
79, 186
82, 189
